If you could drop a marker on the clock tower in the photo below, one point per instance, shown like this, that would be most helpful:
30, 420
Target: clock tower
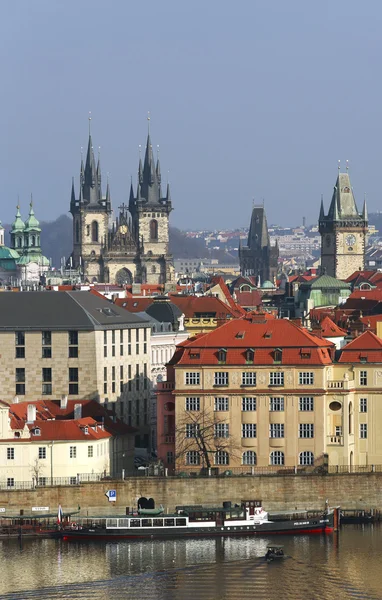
343, 232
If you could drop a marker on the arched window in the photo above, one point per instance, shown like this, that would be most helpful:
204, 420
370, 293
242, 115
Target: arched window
94, 231
350, 418
249, 458
153, 269
221, 458
277, 457
18, 242
33, 241
153, 229
192, 458
77, 231
306, 458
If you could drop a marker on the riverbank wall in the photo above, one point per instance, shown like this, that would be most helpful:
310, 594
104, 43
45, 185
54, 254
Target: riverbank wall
278, 493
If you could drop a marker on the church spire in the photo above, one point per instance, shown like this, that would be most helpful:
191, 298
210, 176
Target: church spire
322, 212
90, 191
168, 195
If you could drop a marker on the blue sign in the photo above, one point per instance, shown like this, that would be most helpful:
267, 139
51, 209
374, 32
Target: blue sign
112, 495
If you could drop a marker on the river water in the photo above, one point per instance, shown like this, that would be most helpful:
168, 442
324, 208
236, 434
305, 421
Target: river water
323, 567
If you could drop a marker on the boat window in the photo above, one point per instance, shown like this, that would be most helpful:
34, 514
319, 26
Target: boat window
123, 522
181, 522
169, 522
147, 522
135, 522
158, 522
111, 522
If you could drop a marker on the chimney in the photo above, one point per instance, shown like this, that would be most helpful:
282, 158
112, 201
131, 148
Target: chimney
16, 400
31, 413
78, 411
64, 402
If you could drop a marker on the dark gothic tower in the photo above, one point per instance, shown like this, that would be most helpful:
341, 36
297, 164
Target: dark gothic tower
259, 258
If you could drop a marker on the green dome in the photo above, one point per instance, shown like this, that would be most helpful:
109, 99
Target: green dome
18, 224
267, 285
31, 224
32, 257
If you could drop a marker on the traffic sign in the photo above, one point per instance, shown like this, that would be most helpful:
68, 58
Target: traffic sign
112, 495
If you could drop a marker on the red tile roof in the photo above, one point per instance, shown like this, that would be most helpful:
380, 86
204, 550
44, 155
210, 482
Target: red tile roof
134, 303
330, 329
298, 345
366, 348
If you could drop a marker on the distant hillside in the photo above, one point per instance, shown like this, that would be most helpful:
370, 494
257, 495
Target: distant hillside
57, 240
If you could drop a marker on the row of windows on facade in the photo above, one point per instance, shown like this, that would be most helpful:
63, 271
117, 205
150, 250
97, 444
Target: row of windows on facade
42, 453
73, 387
249, 404
277, 353
46, 343
92, 231
276, 430
248, 378
136, 418
122, 383
121, 341
249, 458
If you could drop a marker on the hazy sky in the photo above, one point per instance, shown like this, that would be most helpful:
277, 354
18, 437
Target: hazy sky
248, 99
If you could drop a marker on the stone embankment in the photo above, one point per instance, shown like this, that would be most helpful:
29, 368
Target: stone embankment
278, 493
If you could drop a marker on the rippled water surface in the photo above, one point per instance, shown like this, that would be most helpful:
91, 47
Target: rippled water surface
339, 566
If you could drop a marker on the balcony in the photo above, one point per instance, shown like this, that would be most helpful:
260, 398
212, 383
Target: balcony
335, 440
341, 384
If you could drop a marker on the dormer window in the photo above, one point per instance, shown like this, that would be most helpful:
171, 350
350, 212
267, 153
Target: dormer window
363, 358
268, 334
250, 355
277, 355
194, 354
86, 430
36, 431
306, 353
222, 355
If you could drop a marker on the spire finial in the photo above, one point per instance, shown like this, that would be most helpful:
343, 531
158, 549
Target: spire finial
107, 177
148, 122
89, 119
99, 152
339, 166
82, 152
347, 165
140, 150
31, 202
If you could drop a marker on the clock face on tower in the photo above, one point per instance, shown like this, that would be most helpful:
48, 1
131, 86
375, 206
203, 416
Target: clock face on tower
350, 240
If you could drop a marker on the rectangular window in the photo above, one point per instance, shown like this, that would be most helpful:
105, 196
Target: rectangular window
363, 378
129, 341
306, 378
221, 378
73, 381
73, 344
276, 430
20, 382
20, 344
363, 405
42, 481
192, 429
10, 482
306, 403
105, 351
248, 378
276, 404
192, 457
72, 451
113, 336
121, 336
90, 451
10, 453
113, 373
192, 403
121, 350
129, 378
248, 404
46, 344
170, 458
192, 378
73, 480
145, 335
42, 452
136, 348
221, 430
113, 350
276, 378
46, 381
105, 337
338, 430
145, 347
363, 431
221, 403
306, 430
73, 351
113, 387
248, 430
137, 335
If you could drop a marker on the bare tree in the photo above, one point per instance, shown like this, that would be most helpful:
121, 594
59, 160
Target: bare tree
205, 433
36, 469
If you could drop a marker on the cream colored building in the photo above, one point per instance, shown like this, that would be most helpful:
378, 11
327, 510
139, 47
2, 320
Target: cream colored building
76, 344
52, 442
274, 395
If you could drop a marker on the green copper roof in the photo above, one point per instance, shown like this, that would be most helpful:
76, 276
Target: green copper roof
18, 224
33, 257
8, 253
327, 282
267, 285
31, 224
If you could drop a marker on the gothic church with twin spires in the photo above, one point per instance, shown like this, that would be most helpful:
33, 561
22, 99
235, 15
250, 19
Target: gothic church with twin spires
132, 248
